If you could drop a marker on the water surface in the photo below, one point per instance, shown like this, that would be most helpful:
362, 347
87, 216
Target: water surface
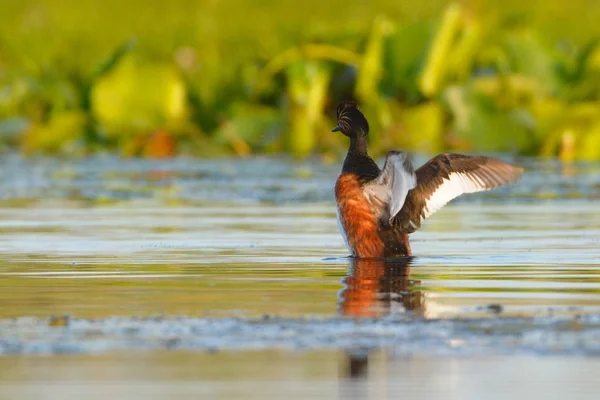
275, 374
144, 258
180, 263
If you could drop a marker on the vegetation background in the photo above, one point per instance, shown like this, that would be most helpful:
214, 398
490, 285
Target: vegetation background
212, 77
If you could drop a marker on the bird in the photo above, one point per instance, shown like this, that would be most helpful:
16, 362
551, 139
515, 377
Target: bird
378, 208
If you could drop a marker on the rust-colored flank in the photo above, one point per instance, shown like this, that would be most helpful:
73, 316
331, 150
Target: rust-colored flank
357, 218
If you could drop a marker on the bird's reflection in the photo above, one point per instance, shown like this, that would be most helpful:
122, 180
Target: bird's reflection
376, 288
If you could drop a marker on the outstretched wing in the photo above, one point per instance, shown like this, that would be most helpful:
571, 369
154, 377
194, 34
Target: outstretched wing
446, 177
389, 190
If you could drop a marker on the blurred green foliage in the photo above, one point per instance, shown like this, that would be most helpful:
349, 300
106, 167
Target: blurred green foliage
155, 78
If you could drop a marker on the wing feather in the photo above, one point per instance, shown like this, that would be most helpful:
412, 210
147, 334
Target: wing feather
393, 184
446, 177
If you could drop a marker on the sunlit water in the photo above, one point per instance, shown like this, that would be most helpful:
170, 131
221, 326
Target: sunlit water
104, 255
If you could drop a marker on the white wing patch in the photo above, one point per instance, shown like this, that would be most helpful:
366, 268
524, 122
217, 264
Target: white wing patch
403, 179
456, 184
392, 185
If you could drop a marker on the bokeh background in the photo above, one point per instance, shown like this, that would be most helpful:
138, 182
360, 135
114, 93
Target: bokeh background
208, 78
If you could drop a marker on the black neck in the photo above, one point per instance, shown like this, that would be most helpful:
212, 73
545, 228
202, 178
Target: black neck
358, 161
358, 145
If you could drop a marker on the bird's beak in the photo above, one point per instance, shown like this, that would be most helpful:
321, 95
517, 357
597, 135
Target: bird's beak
336, 129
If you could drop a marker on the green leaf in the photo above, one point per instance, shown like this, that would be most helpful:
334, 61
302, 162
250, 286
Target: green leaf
479, 125
136, 97
405, 51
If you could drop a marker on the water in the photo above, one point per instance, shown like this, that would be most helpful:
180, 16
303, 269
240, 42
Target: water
272, 374
189, 262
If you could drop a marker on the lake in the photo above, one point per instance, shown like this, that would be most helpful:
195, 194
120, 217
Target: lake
229, 277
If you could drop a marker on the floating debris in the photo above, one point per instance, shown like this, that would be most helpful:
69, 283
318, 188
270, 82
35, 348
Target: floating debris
59, 321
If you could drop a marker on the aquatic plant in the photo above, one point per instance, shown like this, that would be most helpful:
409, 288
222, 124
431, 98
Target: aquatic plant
208, 78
